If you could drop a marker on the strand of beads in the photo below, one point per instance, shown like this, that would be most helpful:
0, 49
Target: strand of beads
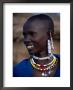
44, 67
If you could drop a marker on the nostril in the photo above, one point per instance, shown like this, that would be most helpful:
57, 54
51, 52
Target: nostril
26, 42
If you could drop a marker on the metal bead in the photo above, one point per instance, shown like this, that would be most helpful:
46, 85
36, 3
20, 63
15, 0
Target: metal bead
44, 74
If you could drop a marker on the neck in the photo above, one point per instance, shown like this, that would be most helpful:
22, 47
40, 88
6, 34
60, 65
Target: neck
41, 55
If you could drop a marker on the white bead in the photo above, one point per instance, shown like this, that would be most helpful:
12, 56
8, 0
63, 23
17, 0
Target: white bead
49, 72
43, 74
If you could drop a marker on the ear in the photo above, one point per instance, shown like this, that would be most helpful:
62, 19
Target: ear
50, 34
51, 40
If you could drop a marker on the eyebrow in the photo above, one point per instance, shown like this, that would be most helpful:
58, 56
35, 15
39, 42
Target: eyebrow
24, 33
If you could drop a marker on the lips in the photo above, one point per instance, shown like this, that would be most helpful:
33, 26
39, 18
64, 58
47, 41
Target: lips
29, 45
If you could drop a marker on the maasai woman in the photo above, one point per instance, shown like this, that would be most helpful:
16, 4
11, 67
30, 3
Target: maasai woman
38, 34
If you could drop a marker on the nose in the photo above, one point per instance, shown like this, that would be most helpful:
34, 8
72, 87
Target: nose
27, 39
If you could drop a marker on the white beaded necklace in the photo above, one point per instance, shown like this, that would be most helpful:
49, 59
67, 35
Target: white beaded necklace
42, 58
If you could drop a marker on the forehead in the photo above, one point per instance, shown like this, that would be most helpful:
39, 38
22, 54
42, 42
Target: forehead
37, 26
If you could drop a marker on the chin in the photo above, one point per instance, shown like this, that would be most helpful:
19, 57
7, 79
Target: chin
32, 52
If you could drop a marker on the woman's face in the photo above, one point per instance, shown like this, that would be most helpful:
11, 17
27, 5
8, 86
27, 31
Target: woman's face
35, 38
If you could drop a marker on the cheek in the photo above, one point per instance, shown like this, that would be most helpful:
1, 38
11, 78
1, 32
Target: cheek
41, 43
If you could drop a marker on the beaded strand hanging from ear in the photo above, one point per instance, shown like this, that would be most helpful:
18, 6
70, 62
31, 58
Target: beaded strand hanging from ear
50, 45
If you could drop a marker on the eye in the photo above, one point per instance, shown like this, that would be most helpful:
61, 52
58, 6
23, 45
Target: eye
31, 33
24, 34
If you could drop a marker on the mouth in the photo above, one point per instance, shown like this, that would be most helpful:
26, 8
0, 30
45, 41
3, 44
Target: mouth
30, 46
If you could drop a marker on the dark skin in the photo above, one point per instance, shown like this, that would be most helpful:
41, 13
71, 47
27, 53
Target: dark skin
38, 35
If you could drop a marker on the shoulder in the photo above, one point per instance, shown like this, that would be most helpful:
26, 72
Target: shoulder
24, 61
57, 56
57, 74
21, 64
22, 67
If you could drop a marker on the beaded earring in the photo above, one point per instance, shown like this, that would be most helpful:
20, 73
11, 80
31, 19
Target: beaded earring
50, 45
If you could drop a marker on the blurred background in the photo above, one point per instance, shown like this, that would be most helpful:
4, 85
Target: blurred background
19, 50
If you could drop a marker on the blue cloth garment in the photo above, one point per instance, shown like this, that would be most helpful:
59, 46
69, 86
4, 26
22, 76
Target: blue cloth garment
24, 69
